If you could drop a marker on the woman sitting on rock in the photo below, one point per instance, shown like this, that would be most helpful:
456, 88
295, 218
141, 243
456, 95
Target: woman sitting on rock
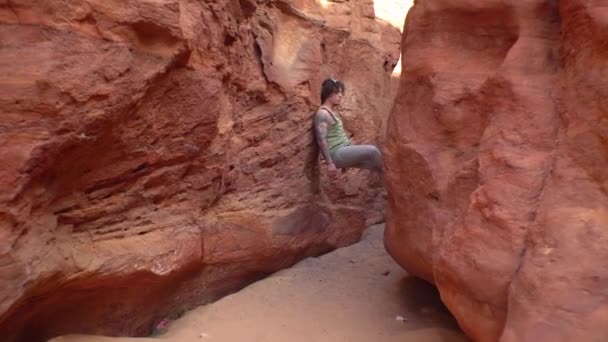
335, 146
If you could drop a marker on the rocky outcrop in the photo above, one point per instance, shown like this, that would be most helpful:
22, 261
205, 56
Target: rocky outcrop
496, 165
159, 154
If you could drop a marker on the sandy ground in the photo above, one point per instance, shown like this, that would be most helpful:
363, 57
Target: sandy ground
353, 294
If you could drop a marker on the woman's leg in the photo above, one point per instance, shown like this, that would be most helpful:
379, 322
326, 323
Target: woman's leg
359, 156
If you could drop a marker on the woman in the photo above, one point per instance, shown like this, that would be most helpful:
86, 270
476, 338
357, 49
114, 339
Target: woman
335, 146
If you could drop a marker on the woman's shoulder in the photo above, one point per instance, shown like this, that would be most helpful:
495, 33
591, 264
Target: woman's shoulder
326, 110
323, 113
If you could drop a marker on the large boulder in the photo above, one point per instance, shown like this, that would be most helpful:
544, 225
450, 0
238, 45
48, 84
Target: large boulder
159, 154
497, 165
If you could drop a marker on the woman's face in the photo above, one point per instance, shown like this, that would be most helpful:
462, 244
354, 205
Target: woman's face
336, 98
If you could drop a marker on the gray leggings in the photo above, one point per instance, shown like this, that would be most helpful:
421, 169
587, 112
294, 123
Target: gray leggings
359, 156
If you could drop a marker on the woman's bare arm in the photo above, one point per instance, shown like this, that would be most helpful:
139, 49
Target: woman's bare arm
322, 122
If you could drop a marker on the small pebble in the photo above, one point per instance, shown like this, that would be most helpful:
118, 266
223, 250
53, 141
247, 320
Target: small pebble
385, 273
204, 335
401, 319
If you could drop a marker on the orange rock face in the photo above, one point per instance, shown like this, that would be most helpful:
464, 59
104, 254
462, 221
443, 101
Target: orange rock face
497, 158
159, 154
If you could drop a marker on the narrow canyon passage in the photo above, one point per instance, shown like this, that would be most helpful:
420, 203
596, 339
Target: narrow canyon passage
356, 293
158, 156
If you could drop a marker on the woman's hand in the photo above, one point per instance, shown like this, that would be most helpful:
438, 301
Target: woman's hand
331, 167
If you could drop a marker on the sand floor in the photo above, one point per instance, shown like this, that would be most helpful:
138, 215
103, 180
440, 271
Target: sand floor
353, 294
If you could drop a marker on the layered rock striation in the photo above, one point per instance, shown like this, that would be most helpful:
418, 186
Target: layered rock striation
159, 154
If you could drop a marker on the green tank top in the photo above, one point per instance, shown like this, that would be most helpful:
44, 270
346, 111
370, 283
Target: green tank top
336, 137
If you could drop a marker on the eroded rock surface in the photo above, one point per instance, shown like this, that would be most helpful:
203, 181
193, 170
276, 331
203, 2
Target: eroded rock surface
497, 159
158, 154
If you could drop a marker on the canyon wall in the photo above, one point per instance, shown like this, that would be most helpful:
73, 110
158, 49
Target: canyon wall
497, 159
159, 154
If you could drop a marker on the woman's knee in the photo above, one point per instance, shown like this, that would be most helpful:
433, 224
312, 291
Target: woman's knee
374, 152
376, 159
